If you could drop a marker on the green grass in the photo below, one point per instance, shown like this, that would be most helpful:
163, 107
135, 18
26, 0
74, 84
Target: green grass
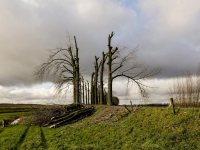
9, 110
150, 128
10, 115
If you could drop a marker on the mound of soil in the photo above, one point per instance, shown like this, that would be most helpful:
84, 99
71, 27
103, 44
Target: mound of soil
111, 113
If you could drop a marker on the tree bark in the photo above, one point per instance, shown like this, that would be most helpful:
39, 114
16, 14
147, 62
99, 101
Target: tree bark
88, 91
80, 96
95, 80
83, 92
109, 63
92, 89
77, 73
101, 79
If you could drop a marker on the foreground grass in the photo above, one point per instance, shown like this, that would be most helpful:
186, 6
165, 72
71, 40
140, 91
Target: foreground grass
150, 128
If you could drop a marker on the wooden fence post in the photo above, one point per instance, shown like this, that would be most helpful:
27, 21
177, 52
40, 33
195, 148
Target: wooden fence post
172, 104
131, 106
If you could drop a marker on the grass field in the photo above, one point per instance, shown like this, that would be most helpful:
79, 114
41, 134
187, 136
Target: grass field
112, 128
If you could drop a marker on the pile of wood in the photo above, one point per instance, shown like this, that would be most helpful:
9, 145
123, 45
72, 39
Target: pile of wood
70, 116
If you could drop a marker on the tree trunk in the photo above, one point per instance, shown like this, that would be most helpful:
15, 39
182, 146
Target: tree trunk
109, 63
88, 92
109, 95
101, 79
95, 80
77, 73
74, 91
74, 73
98, 94
92, 89
83, 92
80, 96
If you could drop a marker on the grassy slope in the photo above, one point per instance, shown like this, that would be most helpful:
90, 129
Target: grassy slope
150, 128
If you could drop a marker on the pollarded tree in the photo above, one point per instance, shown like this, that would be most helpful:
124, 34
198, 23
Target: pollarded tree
92, 89
97, 66
103, 60
86, 96
63, 66
88, 90
128, 67
83, 90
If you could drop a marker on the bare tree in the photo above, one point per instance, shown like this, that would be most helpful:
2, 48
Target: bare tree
128, 67
97, 66
77, 74
83, 90
64, 68
198, 84
88, 90
104, 57
92, 88
86, 102
80, 91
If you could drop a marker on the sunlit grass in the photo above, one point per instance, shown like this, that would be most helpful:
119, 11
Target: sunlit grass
150, 128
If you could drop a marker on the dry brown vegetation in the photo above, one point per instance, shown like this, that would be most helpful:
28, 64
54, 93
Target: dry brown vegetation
44, 115
108, 114
186, 90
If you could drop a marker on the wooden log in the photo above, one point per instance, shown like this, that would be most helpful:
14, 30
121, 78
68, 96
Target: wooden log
131, 106
74, 118
70, 117
65, 114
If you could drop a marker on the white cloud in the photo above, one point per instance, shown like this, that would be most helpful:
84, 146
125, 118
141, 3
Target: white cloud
167, 32
43, 94
175, 18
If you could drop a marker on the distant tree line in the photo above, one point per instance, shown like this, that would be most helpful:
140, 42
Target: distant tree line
185, 89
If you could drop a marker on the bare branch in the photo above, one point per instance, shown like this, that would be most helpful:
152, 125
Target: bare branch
117, 68
115, 57
114, 51
61, 66
127, 66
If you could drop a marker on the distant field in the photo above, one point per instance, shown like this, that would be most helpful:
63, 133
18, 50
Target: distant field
12, 115
112, 128
21, 108
15, 111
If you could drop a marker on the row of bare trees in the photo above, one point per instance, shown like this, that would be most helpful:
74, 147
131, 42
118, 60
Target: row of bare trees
119, 65
185, 89
84, 91
62, 66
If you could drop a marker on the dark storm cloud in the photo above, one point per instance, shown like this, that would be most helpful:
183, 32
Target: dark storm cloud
28, 28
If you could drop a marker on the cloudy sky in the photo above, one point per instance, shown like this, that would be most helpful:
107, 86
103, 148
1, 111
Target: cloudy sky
167, 33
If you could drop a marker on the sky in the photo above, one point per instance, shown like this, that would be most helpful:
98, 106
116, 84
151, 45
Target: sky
167, 33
